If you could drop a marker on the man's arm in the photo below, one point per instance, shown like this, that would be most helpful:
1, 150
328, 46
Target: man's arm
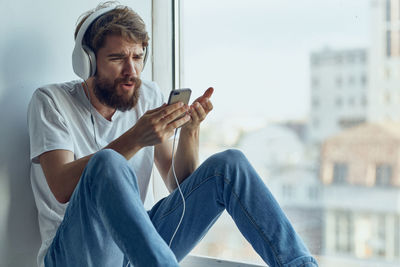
62, 172
187, 151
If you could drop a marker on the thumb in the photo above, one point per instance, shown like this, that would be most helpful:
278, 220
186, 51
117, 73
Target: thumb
208, 92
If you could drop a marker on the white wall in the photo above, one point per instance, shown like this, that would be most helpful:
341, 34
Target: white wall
36, 41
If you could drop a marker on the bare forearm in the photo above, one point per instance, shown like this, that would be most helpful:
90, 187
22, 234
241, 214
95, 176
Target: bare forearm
63, 180
155, 126
186, 157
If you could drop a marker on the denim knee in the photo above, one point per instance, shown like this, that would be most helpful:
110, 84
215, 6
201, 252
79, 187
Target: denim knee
106, 159
231, 157
106, 163
106, 156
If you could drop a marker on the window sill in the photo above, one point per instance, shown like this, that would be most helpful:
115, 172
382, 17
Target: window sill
201, 261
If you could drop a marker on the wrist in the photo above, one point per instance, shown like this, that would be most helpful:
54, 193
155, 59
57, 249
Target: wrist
191, 131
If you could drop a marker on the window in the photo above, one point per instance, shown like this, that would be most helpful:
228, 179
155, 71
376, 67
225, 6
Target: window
315, 102
314, 83
338, 82
380, 250
363, 80
313, 193
364, 101
351, 80
388, 43
339, 102
315, 123
262, 58
383, 175
339, 173
351, 101
343, 232
397, 236
315, 60
388, 10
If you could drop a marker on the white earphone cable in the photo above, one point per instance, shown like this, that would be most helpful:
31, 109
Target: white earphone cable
179, 188
86, 89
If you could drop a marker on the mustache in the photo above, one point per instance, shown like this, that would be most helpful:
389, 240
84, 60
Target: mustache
135, 80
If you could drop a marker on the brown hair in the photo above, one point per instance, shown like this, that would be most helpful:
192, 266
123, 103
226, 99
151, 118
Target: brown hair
122, 21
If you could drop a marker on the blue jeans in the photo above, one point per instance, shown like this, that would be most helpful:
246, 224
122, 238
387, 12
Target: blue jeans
105, 223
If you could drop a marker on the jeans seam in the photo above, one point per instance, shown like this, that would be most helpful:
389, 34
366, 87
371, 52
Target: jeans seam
255, 224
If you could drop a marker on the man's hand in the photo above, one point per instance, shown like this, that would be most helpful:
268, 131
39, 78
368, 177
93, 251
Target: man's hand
199, 110
158, 125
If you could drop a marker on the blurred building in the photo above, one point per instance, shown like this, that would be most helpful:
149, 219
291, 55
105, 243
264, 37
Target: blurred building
384, 59
289, 170
360, 170
339, 91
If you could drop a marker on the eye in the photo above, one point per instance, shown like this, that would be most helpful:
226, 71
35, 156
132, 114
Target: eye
116, 58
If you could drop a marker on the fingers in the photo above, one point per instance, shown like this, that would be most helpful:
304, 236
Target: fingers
197, 112
156, 109
179, 122
166, 110
176, 114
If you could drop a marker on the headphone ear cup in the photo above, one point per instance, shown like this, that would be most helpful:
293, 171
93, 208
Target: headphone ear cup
91, 56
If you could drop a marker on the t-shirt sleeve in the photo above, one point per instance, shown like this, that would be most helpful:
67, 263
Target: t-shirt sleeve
47, 127
160, 99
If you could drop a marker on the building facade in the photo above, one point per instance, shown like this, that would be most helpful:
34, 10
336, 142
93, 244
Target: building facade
384, 67
339, 91
360, 171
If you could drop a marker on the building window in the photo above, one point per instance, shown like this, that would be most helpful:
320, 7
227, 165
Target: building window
314, 60
388, 44
351, 122
343, 232
315, 123
381, 237
388, 7
340, 171
313, 192
363, 58
364, 101
314, 83
350, 58
387, 98
397, 237
339, 82
339, 102
315, 103
363, 80
383, 175
351, 80
351, 101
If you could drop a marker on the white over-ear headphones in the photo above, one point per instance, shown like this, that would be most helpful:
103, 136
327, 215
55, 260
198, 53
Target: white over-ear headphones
83, 57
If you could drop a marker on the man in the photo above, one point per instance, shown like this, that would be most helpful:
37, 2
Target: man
93, 144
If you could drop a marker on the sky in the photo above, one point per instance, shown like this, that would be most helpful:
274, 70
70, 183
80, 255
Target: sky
255, 53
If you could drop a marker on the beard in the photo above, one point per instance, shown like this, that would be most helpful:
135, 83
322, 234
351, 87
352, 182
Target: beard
107, 93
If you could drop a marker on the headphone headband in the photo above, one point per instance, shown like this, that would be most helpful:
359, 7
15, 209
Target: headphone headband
83, 57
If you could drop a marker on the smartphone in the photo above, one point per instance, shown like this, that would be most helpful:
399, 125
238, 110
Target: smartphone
179, 95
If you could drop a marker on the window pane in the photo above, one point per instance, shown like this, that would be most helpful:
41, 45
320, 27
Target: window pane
308, 90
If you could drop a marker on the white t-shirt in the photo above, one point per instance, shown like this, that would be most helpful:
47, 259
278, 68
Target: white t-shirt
59, 118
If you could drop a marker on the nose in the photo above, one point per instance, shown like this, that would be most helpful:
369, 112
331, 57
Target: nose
129, 68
